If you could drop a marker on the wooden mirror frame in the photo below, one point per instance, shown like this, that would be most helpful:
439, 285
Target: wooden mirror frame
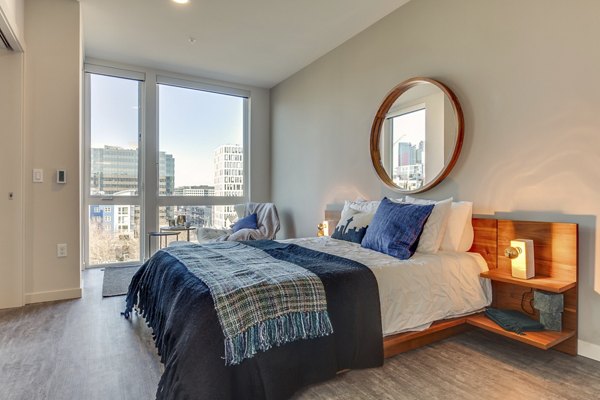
379, 120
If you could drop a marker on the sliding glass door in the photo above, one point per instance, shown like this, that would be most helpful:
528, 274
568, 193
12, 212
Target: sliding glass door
157, 148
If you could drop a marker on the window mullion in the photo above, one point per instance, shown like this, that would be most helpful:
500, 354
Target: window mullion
150, 154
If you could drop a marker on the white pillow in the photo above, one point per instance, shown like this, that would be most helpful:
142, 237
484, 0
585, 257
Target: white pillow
435, 227
459, 232
466, 242
362, 206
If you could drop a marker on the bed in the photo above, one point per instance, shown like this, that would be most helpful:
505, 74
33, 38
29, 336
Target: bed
449, 280
371, 297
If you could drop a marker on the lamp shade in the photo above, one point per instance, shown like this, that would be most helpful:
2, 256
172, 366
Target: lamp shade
523, 265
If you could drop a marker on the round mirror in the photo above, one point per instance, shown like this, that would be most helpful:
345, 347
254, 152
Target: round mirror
417, 135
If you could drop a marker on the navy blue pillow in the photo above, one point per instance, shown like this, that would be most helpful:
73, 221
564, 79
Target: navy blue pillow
396, 227
248, 222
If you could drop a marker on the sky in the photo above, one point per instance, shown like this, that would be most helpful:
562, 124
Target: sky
192, 123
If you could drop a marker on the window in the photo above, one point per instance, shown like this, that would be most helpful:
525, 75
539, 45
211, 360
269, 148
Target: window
114, 135
199, 133
408, 149
112, 160
202, 131
189, 158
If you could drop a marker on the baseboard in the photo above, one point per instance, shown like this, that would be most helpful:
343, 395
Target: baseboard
40, 297
589, 350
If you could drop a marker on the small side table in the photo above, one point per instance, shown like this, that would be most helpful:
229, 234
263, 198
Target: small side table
178, 229
160, 236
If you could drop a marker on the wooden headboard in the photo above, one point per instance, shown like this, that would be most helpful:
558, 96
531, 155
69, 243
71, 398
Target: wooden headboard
555, 243
485, 241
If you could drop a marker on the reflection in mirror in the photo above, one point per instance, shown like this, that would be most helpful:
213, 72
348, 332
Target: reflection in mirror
417, 134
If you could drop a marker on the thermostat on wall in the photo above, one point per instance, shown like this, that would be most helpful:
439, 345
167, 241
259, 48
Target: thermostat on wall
61, 176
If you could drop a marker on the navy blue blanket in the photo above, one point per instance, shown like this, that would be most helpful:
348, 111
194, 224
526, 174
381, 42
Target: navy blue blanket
179, 309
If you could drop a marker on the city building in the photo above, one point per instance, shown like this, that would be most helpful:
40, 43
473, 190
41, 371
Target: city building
166, 174
201, 190
409, 173
409, 154
229, 181
114, 172
115, 169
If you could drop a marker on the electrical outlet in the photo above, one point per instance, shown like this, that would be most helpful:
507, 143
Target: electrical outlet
61, 250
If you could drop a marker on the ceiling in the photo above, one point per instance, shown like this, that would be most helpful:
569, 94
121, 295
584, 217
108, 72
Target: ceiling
254, 42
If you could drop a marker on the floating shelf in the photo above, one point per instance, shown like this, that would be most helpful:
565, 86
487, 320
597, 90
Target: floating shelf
542, 339
537, 282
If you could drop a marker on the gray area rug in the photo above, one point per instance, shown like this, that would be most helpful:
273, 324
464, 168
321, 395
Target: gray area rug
116, 280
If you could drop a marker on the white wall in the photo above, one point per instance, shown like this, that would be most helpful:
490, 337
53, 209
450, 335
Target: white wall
260, 145
52, 128
526, 74
11, 136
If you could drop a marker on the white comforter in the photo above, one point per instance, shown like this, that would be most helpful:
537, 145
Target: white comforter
413, 293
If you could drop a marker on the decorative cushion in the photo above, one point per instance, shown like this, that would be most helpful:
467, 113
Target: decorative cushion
352, 226
364, 206
459, 232
396, 228
435, 227
249, 222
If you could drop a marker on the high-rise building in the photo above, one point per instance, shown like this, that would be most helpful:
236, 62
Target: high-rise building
406, 154
408, 174
229, 181
229, 170
201, 190
166, 175
115, 169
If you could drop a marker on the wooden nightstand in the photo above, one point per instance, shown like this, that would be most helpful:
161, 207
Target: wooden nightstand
556, 265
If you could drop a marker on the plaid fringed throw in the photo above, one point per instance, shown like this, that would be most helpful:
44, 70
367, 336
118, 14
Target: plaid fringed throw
260, 301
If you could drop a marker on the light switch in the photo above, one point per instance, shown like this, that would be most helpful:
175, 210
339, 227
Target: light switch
38, 175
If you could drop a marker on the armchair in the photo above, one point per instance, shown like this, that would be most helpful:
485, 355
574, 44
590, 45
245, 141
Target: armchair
267, 220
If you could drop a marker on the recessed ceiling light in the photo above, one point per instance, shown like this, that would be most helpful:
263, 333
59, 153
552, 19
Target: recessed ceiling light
181, 1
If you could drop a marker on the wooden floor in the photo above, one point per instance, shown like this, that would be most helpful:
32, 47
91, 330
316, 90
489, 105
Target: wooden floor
83, 349
76, 349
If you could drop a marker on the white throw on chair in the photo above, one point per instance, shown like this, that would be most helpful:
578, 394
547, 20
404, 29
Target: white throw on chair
267, 222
